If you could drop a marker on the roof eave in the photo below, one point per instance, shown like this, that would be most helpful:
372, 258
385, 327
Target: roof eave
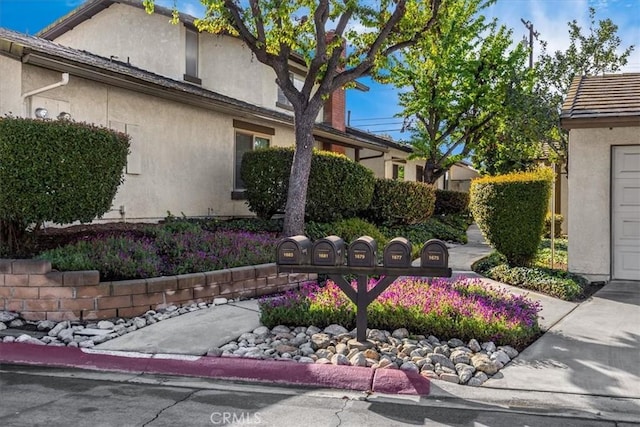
599, 122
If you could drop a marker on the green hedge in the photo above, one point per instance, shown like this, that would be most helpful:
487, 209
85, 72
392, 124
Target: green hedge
59, 171
510, 211
338, 187
451, 202
349, 229
401, 202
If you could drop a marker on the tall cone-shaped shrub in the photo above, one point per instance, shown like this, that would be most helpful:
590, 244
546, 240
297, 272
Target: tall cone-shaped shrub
510, 211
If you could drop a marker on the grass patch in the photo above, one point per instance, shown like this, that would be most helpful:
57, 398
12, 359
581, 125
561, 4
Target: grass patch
462, 309
539, 277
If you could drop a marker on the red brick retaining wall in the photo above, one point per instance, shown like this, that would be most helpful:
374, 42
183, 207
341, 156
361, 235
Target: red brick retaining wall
31, 288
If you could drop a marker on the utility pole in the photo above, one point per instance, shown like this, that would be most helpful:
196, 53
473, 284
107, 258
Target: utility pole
552, 233
532, 34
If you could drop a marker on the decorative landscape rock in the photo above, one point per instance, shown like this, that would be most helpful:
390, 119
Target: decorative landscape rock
449, 360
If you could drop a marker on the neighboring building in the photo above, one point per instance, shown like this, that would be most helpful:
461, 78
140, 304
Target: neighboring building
602, 114
192, 103
458, 178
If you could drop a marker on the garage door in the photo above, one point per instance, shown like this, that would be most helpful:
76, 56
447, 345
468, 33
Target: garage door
626, 212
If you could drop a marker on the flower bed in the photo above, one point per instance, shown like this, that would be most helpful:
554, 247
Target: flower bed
465, 309
163, 252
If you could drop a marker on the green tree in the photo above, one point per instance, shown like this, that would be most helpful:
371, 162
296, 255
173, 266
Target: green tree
591, 54
319, 31
456, 81
514, 140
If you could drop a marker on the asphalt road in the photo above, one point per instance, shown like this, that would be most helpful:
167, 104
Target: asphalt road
53, 397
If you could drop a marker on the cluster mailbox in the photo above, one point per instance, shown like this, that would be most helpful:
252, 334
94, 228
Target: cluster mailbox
362, 252
328, 251
434, 254
294, 250
397, 253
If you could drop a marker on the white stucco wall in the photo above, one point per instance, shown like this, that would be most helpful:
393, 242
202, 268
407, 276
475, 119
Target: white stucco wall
150, 42
589, 198
186, 153
10, 86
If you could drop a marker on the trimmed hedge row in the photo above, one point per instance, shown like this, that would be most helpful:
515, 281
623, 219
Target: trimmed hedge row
451, 202
338, 187
401, 202
510, 211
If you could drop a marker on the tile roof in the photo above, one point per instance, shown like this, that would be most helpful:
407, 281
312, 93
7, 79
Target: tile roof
21, 45
613, 97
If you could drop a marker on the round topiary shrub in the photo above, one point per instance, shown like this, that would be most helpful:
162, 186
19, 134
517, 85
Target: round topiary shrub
59, 171
510, 211
338, 187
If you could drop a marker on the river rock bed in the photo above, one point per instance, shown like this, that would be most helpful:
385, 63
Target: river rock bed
451, 360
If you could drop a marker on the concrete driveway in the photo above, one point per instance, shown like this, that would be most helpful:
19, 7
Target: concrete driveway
593, 350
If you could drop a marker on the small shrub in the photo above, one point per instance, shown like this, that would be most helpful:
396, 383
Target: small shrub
433, 228
510, 211
401, 202
557, 226
349, 229
338, 187
556, 283
451, 202
253, 225
464, 309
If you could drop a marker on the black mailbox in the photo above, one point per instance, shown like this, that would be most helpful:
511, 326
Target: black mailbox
434, 254
362, 252
397, 253
294, 250
328, 251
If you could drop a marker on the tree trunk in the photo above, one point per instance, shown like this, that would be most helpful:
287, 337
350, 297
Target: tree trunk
432, 172
299, 178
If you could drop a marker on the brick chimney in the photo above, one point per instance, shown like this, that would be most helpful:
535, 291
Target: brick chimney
335, 109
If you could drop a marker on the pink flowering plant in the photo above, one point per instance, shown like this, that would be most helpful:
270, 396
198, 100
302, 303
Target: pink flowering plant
463, 308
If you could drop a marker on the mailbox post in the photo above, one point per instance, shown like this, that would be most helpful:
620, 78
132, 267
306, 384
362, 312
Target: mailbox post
328, 255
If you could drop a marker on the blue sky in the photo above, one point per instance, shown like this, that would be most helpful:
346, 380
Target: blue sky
374, 110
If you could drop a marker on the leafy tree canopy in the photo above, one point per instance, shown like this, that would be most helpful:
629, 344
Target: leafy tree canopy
457, 81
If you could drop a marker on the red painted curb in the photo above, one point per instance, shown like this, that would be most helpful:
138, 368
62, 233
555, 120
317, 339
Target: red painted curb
394, 381
279, 372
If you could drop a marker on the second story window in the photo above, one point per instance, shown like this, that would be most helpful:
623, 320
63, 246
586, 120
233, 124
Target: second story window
282, 101
191, 55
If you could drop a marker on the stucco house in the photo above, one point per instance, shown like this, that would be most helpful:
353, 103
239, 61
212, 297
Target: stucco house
192, 103
602, 114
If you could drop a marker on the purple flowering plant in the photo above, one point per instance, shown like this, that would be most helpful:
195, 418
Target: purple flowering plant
462, 308
164, 252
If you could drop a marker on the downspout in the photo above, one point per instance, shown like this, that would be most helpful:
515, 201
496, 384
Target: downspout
63, 82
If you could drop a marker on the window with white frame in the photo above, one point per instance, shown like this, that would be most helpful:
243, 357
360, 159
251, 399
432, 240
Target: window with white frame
245, 142
298, 82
